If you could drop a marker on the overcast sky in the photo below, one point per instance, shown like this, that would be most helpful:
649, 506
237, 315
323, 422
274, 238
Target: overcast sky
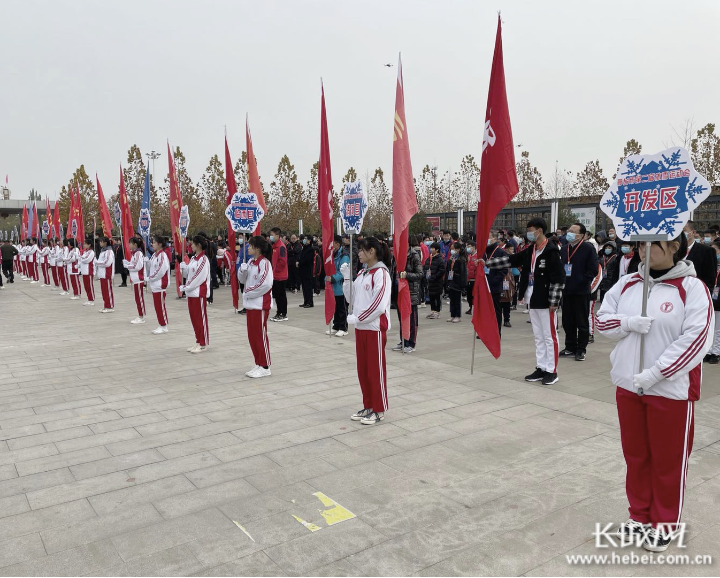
81, 81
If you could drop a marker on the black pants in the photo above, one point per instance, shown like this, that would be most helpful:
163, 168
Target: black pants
7, 269
498, 310
423, 290
576, 322
436, 302
340, 317
124, 275
455, 302
308, 284
505, 306
413, 327
221, 275
471, 293
293, 282
278, 293
214, 275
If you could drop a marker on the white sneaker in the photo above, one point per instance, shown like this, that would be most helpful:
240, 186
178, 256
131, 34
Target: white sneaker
107, 311
193, 347
138, 320
330, 332
259, 372
199, 348
251, 370
2, 286
341, 333
74, 298
88, 303
160, 330
33, 282
64, 293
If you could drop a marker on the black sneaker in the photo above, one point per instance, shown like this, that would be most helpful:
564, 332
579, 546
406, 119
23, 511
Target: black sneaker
591, 339
633, 532
656, 541
372, 418
358, 415
469, 311
507, 324
550, 378
282, 318
276, 317
567, 353
580, 356
536, 375
714, 359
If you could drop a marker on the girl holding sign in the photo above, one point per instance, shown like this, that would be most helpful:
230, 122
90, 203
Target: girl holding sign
197, 289
656, 403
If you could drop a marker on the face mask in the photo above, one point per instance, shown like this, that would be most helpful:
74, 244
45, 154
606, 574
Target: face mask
305, 241
707, 240
389, 238
272, 238
531, 236
490, 242
625, 250
570, 237
687, 235
608, 251
241, 241
469, 249
453, 252
611, 235
428, 243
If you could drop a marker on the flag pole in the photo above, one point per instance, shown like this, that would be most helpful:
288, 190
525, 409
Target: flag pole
472, 362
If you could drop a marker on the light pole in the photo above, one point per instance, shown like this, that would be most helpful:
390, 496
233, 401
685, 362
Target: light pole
152, 155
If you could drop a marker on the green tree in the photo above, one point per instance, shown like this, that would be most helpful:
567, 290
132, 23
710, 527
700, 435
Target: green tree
190, 197
88, 198
530, 181
632, 147
705, 153
34, 196
418, 223
285, 192
591, 181
469, 182
214, 192
377, 219
241, 173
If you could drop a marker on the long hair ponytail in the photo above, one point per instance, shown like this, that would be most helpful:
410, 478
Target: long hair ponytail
261, 243
382, 251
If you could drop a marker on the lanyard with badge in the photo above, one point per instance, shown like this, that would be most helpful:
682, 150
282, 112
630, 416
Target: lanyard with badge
536, 252
606, 262
568, 265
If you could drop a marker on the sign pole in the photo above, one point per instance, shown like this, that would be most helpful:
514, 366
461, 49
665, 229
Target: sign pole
351, 269
472, 362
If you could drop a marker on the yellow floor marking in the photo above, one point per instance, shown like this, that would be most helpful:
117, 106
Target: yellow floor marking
244, 530
333, 515
310, 526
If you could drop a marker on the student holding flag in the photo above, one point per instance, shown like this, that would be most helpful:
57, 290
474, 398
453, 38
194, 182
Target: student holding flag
32, 260
105, 271
43, 255
158, 278
73, 268
87, 270
136, 267
197, 289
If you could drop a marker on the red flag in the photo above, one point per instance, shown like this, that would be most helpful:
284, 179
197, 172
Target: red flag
56, 220
253, 175
498, 185
326, 210
104, 210
125, 217
81, 221
36, 223
49, 218
71, 213
404, 201
24, 222
231, 190
175, 206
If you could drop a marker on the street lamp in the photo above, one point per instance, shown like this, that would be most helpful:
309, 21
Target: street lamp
152, 155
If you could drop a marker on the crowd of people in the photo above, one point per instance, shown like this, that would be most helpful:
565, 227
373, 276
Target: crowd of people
538, 272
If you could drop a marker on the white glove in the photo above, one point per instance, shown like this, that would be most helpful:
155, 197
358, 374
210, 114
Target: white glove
345, 270
126, 263
645, 380
352, 319
637, 323
243, 266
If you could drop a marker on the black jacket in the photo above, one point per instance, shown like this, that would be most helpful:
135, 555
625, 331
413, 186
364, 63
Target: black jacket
306, 260
703, 257
584, 261
496, 276
414, 274
549, 276
459, 274
8, 252
611, 270
434, 270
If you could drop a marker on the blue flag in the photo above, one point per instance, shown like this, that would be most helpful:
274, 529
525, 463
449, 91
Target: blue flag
31, 222
145, 221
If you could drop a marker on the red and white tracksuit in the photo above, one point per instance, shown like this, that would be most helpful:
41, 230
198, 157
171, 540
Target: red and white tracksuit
136, 267
371, 317
257, 277
43, 255
657, 428
87, 270
105, 271
32, 262
73, 270
23, 260
52, 262
62, 268
158, 278
197, 288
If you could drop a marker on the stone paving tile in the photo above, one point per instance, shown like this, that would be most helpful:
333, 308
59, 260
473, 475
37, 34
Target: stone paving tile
101, 475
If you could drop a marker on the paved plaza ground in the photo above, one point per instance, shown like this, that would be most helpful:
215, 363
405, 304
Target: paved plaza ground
123, 455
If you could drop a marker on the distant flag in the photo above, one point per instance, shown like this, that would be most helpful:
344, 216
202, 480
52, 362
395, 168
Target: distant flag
49, 218
104, 210
326, 210
253, 175
6, 179
56, 222
404, 201
231, 190
125, 217
175, 202
32, 221
81, 220
35, 228
145, 220
71, 214
498, 185
24, 223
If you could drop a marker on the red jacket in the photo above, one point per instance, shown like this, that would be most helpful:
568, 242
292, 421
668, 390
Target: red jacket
472, 265
279, 261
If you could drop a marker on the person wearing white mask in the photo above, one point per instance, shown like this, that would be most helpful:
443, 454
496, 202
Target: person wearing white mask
701, 255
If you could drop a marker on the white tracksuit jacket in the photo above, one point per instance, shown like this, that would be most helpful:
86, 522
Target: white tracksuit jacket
159, 272
43, 255
72, 261
371, 298
105, 264
136, 267
680, 335
257, 276
197, 273
87, 262
51, 256
31, 253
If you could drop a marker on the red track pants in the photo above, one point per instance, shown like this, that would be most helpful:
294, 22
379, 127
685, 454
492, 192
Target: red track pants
62, 273
139, 298
370, 354
75, 282
89, 287
54, 271
657, 438
45, 273
160, 310
107, 293
197, 306
257, 335
33, 266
